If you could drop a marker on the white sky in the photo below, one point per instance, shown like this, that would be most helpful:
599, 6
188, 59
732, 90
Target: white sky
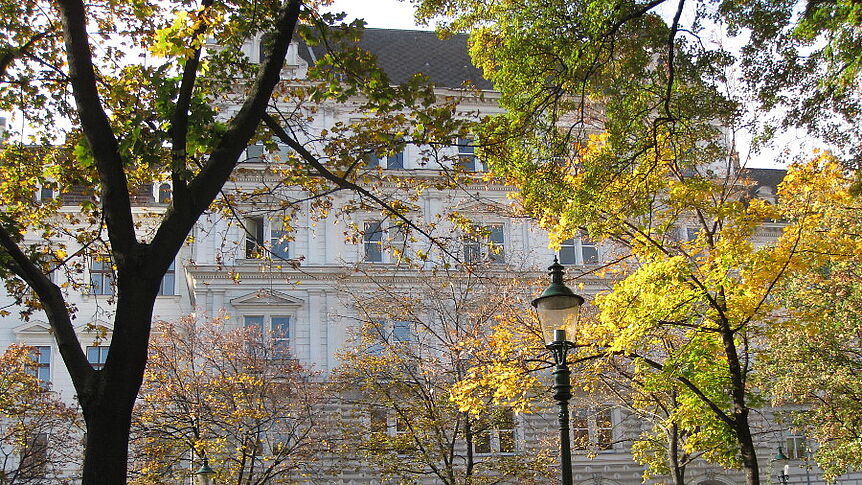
381, 14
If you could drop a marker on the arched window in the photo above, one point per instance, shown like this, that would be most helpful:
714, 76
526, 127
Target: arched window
165, 193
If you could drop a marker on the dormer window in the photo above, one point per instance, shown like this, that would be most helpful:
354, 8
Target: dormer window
165, 193
764, 192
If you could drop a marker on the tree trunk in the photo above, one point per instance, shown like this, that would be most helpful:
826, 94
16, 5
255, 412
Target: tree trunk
741, 426
106, 455
677, 470
109, 395
747, 451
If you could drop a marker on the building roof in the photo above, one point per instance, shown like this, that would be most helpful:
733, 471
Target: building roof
769, 177
403, 53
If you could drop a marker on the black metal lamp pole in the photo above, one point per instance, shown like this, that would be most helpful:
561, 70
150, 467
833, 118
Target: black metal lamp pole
558, 308
781, 460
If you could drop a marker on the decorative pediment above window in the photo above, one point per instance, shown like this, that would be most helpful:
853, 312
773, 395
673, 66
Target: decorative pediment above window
483, 208
96, 328
266, 298
33, 328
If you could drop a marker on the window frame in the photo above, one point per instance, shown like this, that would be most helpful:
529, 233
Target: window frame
41, 363
495, 435
477, 245
466, 158
585, 423
388, 244
277, 346
576, 251
101, 270
101, 352
264, 239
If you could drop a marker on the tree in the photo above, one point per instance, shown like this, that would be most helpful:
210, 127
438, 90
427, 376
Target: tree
230, 395
617, 121
30, 413
154, 101
397, 381
813, 359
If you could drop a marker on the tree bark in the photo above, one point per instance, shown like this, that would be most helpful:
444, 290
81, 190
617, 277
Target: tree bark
106, 446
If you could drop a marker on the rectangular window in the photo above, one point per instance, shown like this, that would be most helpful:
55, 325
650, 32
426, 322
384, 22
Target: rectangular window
253, 227
499, 437
168, 281
41, 356
279, 334
34, 456
485, 243
273, 334
578, 251
377, 420
467, 160
592, 430
795, 447
402, 331
372, 239
254, 153
580, 430
101, 275
97, 356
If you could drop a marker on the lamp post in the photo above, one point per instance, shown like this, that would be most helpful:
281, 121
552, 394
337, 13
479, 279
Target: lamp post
205, 474
784, 472
558, 309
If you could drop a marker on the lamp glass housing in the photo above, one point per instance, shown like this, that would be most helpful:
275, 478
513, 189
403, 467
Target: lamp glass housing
559, 312
205, 474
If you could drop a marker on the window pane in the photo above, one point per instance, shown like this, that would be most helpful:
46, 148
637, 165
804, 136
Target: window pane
168, 281
165, 194
589, 252
395, 161
280, 337
401, 331
604, 429
101, 275
372, 161
496, 247
97, 355
42, 359
482, 442
466, 154
377, 420
255, 322
567, 252
472, 251
254, 154
253, 227
373, 242
580, 430
279, 245
46, 194
507, 441
281, 327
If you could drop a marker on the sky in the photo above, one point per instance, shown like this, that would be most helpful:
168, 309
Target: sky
381, 14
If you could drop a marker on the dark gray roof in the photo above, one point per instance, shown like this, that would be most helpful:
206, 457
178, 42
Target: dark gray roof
402, 53
770, 177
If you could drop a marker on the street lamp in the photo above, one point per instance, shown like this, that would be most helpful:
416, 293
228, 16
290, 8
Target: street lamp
558, 309
784, 472
205, 474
